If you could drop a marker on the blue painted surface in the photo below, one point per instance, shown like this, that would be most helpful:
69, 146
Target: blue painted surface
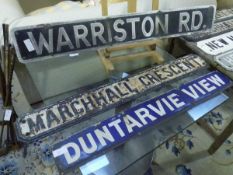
79, 148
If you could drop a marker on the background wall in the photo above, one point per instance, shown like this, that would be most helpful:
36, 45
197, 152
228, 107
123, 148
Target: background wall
225, 4
31, 5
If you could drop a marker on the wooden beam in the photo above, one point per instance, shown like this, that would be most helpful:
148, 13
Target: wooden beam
132, 57
132, 6
106, 62
131, 45
104, 5
221, 138
155, 4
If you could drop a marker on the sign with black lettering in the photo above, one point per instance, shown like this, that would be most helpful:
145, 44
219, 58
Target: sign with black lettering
217, 45
226, 61
46, 40
81, 147
68, 112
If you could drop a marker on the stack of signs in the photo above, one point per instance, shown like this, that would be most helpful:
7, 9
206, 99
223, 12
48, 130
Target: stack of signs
72, 110
81, 147
51, 40
216, 45
224, 14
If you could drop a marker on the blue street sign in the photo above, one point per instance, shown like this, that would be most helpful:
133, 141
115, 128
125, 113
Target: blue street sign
81, 147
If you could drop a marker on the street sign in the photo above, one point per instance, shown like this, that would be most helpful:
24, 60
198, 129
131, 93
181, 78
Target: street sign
51, 40
217, 45
50, 119
81, 147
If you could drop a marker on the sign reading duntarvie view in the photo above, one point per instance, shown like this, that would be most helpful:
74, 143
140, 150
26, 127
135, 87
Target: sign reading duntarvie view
77, 108
43, 40
112, 132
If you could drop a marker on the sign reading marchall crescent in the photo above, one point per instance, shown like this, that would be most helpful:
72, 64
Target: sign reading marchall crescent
68, 112
45, 40
81, 147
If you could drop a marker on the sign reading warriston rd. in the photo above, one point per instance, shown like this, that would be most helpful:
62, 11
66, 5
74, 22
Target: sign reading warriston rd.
81, 147
74, 109
34, 42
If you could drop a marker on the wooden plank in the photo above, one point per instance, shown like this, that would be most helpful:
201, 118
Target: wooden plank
155, 4
132, 6
221, 138
132, 57
104, 5
106, 62
131, 45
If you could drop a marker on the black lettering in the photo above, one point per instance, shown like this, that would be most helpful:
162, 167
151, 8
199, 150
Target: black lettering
223, 42
152, 79
119, 91
51, 117
198, 63
88, 103
188, 64
170, 74
211, 45
64, 111
36, 126
130, 89
172, 67
145, 83
182, 67
230, 37
75, 110
100, 99
111, 94
159, 75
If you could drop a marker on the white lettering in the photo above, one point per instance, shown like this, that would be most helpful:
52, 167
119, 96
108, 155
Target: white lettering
216, 80
130, 123
159, 110
184, 19
102, 135
119, 30
117, 127
192, 93
64, 150
93, 146
206, 85
175, 100
133, 25
67, 42
143, 113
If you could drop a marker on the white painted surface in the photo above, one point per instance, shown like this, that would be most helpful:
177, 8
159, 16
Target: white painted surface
217, 45
9, 11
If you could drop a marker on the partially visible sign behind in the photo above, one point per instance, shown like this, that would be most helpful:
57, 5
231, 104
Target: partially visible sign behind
217, 45
224, 14
46, 40
218, 28
114, 131
65, 113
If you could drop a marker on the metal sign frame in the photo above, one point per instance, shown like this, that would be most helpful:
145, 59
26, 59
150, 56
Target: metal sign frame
167, 24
